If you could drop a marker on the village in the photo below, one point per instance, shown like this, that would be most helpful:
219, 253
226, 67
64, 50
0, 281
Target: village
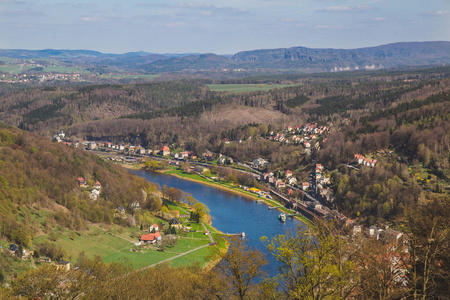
313, 198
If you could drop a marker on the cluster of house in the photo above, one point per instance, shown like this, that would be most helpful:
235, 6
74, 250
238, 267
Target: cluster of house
154, 235
309, 128
279, 183
361, 160
139, 150
385, 234
59, 137
308, 134
51, 76
95, 193
14, 249
321, 185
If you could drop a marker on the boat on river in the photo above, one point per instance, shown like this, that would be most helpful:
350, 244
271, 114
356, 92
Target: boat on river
282, 217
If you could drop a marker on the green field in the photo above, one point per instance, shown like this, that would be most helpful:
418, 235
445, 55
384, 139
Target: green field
191, 258
14, 69
111, 248
65, 70
92, 242
241, 88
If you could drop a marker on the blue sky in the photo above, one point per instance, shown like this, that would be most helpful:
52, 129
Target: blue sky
219, 26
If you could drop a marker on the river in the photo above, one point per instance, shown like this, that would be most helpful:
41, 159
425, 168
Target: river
232, 213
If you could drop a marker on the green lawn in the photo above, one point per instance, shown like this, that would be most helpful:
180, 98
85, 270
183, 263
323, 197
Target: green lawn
14, 69
191, 258
3, 243
111, 248
93, 242
124, 232
180, 173
241, 88
138, 259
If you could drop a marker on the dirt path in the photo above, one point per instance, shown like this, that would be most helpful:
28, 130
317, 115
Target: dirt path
209, 234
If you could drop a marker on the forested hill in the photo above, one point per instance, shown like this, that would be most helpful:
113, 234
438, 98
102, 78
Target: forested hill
39, 178
264, 61
385, 56
311, 60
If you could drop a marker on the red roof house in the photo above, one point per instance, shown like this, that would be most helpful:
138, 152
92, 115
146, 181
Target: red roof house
81, 181
164, 151
288, 173
97, 185
151, 237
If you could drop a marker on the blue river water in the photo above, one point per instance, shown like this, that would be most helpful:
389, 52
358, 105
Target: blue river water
232, 213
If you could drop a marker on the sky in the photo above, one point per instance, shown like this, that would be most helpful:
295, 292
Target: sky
218, 26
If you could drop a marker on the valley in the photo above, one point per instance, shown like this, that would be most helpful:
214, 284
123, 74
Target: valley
362, 151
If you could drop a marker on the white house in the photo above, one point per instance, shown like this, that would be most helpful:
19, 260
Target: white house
260, 163
155, 227
292, 180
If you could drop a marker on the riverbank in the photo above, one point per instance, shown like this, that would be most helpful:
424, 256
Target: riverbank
234, 190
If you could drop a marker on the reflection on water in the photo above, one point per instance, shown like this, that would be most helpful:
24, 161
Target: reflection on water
232, 213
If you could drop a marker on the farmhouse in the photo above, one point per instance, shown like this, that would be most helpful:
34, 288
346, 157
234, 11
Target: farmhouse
260, 163
292, 180
305, 186
97, 185
153, 227
151, 237
175, 223
81, 182
164, 151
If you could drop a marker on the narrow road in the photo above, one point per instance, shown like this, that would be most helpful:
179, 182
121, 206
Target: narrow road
209, 234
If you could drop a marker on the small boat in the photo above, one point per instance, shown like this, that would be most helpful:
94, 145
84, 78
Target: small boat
282, 217
243, 234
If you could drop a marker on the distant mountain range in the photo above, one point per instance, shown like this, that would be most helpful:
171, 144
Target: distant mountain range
299, 59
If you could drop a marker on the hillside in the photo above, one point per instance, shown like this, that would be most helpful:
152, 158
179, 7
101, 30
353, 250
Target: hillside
40, 189
380, 57
256, 62
309, 60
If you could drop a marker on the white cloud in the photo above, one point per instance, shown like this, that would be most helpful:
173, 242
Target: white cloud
438, 13
93, 19
322, 26
379, 19
347, 8
193, 5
